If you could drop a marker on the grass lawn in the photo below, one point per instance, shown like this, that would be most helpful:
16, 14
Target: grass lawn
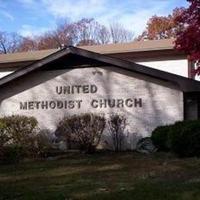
103, 176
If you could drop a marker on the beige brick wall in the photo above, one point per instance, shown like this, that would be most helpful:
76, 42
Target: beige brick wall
146, 102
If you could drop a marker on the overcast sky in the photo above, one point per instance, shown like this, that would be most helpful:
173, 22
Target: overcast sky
37, 16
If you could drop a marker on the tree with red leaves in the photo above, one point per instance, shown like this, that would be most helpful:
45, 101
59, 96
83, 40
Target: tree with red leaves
162, 27
188, 39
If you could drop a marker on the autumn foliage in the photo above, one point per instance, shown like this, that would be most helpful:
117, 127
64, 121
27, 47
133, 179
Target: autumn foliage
162, 27
188, 39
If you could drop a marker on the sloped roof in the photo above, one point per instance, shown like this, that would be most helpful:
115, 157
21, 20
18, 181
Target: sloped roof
76, 56
136, 46
25, 56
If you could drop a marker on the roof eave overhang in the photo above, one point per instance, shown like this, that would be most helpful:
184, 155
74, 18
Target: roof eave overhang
185, 84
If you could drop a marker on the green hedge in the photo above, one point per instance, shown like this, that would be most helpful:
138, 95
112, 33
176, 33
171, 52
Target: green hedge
160, 138
184, 138
181, 138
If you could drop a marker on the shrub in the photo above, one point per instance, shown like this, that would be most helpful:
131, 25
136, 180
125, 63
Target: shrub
184, 138
116, 126
83, 130
20, 137
160, 137
43, 143
11, 154
21, 131
181, 138
20, 127
4, 138
63, 132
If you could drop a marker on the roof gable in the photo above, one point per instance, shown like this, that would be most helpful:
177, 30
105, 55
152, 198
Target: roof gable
76, 56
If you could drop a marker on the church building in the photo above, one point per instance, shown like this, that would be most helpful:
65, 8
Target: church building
148, 82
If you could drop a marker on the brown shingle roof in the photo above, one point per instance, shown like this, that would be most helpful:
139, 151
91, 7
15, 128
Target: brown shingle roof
137, 46
148, 45
25, 56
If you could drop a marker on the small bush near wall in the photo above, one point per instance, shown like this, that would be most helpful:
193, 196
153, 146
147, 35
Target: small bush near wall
44, 143
21, 131
160, 138
184, 138
181, 138
116, 126
20, 137
17, 137
4, 138
83, 130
